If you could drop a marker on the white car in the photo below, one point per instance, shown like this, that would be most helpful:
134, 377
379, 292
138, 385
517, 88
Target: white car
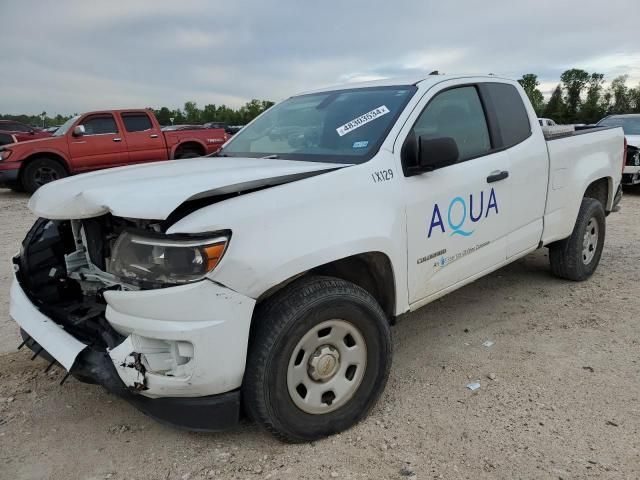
270, 274
631, 125
546, 122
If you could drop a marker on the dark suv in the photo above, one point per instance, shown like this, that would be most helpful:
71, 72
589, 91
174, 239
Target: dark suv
21, 131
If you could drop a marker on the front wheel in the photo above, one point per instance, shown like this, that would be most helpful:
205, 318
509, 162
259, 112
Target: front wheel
319, 358
41, 171
577, 257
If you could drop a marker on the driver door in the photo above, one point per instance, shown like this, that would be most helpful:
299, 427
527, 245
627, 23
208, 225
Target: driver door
101, 146
457, 216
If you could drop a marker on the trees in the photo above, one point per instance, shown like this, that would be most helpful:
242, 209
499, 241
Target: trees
619, 95
592, 108
573, 81
556, 108
192, 113
529, 82
634, 99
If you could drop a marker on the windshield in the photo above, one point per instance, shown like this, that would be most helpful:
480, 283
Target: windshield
65, 126
630, 125
344, 126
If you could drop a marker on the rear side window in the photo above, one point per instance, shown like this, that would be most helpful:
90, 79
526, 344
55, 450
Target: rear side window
136, 122
456, 113
99, 125
510, 112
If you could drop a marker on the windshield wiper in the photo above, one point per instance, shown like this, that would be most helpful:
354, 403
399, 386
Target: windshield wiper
271, 157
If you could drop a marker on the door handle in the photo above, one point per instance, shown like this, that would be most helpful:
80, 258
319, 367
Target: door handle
153, 135
117, 139
497, 176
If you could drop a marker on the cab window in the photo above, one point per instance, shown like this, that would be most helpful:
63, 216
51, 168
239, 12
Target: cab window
511, 115
456, 113
136, 122
99, 125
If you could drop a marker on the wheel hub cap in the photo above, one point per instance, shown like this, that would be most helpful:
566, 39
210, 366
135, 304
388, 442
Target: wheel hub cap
326, 367
324, 363
45, 175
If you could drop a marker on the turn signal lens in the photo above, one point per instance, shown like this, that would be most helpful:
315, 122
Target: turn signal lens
214, 254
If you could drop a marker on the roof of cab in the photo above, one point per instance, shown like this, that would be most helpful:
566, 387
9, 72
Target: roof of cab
400, 81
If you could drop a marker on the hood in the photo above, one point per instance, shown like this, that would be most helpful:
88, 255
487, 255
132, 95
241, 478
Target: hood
152, 191
39, 141
633, 140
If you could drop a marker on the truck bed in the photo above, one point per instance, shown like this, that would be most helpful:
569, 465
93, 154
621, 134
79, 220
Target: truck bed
563, 131
576, 159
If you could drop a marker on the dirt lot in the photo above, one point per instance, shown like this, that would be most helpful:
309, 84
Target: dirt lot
564, 402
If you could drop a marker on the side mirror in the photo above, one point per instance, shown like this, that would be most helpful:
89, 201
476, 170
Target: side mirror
78, 131
421, 154
437, 153
32, 132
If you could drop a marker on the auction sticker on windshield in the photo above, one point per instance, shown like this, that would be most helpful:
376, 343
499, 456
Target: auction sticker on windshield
362, 120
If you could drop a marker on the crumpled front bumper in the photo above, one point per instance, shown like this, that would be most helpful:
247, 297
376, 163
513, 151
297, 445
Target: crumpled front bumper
183, 357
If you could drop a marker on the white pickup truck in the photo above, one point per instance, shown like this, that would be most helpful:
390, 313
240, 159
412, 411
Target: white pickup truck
266, 278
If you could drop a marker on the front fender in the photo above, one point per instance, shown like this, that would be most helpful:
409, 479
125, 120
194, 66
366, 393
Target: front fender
284, 231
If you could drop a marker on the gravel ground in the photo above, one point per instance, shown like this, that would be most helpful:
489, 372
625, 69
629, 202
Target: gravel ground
559, 395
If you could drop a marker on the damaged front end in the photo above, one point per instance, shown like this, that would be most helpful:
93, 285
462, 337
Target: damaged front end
125, 334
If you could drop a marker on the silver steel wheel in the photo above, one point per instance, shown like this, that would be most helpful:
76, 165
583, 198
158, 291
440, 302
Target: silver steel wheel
590, 241
327, 367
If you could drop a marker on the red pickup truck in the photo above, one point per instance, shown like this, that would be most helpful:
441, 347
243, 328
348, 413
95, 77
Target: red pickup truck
97, 140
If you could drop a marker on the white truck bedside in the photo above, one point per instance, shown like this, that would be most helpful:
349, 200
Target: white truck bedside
267, 276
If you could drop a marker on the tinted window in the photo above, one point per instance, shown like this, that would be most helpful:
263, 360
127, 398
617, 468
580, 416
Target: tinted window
136, 122
14, 127
6, 138
458, 114
630, 125
98, 125
511, 114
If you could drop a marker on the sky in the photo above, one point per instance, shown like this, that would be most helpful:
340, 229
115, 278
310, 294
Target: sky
70, 56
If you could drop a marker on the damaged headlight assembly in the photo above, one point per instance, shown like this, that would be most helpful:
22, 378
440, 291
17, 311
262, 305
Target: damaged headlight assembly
146, 259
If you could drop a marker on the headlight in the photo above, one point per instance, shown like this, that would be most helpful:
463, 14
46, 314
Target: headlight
146, 259
4, 154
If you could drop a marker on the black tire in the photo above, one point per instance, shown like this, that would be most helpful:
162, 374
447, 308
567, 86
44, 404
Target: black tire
280, 324
567, 257
40, 172
187, 154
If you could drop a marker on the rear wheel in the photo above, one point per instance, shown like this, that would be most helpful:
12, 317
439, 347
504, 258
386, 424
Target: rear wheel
319, 358
187, 154
577, 257
41, 171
